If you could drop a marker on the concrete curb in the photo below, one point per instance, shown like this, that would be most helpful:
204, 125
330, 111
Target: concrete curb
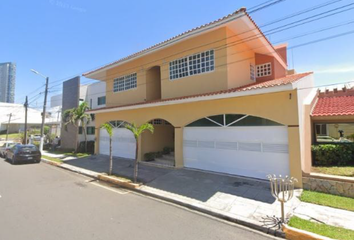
118, 181
137, 188
298, 234
51, 162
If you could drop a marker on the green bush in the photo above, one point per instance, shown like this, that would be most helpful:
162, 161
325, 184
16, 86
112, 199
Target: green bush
333, 154
166, 150
149, 156
158, 154
90, 147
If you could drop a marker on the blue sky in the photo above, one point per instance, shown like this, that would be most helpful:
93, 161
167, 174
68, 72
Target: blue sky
63, 38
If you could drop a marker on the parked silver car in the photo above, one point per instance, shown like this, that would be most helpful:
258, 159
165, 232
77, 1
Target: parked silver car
5, 146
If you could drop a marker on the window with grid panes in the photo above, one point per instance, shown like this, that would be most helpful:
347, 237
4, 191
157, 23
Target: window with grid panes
125, 83
264, 70
192, 65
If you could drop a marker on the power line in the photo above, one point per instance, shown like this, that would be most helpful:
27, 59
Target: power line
238, 41
272, 31
296, 46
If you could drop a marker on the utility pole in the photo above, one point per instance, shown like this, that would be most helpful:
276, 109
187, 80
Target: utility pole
43, 114
26, 107
8, 125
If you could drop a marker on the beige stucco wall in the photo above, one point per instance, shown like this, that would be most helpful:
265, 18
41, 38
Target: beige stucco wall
278, 107
202, 83
239, 58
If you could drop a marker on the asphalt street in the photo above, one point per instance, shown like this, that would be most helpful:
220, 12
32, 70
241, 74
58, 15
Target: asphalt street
42, 202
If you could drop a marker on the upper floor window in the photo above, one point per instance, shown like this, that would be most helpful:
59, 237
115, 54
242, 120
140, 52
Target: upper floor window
191, 65
252, 72
101, 100
264, 70
125, 83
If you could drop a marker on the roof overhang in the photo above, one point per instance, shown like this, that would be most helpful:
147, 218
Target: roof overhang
274, 89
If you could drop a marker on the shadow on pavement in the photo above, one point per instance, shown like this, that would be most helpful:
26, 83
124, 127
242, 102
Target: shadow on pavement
186, 182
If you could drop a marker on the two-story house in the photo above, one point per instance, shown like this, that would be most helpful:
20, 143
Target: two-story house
221, 94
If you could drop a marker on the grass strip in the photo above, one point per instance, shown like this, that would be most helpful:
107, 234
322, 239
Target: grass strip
328, 200
321, 229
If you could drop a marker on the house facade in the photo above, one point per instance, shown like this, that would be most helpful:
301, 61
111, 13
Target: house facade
72, 96
220, 95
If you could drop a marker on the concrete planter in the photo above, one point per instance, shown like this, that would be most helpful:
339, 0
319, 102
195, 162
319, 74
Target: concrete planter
118, 181
297, 234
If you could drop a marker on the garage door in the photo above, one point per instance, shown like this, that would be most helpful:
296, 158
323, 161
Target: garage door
237, 144
123, 143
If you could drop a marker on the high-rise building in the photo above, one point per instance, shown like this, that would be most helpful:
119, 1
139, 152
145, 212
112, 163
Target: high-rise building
7, 82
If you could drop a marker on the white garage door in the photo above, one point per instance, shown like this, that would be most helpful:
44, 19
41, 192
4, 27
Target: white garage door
123, 143
252, 151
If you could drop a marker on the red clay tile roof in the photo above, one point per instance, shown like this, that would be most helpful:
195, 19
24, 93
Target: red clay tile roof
182, 34
334, 106
253, 86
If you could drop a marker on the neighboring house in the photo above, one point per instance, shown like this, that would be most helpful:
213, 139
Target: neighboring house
220, 94
7, 82
73, 94
331, 118
17, 121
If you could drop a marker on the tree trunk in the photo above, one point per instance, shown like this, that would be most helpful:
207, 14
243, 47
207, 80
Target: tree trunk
110, 157
136, 166
85, 135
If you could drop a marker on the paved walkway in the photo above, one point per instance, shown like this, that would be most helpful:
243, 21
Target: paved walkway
236, 197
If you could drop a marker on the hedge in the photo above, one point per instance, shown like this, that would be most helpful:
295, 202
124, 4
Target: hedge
333, 154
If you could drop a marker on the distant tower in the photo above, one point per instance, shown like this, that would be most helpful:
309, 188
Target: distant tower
7, 82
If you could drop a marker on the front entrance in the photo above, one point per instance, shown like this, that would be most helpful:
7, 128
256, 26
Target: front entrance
158, 148
237, 144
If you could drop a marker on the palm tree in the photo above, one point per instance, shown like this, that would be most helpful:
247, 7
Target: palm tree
137, 131
108, 127
78, 116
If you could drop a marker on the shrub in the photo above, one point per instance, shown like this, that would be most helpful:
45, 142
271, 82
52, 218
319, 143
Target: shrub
333, 154
149, 156
158, 154
166, 150
90, 147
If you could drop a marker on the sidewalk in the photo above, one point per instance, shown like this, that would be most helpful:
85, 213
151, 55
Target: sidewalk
242, 200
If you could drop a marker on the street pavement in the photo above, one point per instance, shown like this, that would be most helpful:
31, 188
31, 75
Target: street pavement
42, 202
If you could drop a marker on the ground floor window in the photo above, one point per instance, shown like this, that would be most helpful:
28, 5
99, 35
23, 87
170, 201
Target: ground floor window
334, 132
232, 120
90, 130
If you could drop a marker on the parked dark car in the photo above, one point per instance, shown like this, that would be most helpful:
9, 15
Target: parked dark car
23, 153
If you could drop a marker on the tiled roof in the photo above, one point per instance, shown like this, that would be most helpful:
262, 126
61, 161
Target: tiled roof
241, 10
253, 86
334, 106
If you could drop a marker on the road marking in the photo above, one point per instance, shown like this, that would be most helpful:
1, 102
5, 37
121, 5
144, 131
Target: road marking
122, 192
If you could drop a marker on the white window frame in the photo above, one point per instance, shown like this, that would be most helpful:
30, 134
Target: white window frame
189, 65
119, 87
265, 74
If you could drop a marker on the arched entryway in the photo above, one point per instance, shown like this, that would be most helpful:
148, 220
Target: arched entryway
153, 83
123, 141
158, 147
237, 144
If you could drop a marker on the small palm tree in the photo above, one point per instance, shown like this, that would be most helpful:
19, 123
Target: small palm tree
78, 116
137, 131
108, 127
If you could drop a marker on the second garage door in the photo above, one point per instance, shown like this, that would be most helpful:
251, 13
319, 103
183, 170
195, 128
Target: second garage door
250, 146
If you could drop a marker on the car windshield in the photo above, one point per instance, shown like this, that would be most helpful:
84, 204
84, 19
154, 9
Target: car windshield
11, 145
28, 148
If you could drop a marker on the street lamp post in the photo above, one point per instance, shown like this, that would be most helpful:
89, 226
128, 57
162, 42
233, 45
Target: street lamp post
44, 107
